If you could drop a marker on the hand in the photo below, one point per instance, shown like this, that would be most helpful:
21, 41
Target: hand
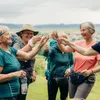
43, 40
54, 35
67, 72
20, 73
23, 73
63, 40
86, 72
35, 39
33, 77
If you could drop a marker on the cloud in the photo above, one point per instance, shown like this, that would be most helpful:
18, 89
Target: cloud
14, 8
49, 11
88, 4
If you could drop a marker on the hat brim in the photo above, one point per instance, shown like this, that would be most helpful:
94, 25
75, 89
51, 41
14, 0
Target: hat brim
34, 32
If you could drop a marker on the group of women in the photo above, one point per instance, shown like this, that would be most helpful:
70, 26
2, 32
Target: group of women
81, 76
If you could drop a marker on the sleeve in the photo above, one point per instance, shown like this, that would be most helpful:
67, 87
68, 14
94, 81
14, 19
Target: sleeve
1, 60
96, 47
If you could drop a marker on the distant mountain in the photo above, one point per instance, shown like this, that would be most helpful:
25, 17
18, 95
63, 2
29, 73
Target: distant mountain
57, 26
12, 26
61, 26
17, 26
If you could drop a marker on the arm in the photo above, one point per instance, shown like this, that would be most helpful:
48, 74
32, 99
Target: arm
33, 76
91, 71
31, 43
79, 49
64, 48
96, 69
83, 51
6, 77
26, 48
27, 56
61, 43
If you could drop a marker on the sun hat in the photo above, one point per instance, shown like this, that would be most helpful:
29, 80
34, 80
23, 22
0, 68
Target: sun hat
27, 27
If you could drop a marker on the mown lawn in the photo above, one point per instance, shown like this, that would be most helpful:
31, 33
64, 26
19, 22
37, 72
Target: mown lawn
38, 90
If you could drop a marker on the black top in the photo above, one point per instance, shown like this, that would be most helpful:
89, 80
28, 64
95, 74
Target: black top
27, 66
96, 47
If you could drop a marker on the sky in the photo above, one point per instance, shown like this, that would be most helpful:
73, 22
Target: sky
49, 11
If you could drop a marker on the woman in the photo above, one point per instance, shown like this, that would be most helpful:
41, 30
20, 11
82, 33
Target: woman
83, 65
58, 63
10, 67
26, 33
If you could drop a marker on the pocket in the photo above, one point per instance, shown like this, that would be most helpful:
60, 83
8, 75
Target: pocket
91, 79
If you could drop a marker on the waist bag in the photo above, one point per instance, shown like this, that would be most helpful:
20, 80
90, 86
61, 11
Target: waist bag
77, 78
61, 81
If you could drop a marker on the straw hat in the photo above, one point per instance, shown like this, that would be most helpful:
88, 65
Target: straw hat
27, 27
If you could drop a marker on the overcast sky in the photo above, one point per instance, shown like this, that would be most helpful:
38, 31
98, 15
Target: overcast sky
49, 11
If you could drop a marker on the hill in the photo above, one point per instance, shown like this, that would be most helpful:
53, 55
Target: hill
46, 26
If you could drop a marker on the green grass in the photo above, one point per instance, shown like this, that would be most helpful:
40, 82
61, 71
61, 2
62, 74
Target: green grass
38, 90
95, 93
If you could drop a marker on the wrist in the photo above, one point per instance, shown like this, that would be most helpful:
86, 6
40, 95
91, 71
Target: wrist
30, 43
11, 75
40, 45
92, 72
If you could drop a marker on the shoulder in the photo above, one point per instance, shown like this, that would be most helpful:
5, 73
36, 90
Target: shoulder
13, 50
18, 45
97, 44
96, 47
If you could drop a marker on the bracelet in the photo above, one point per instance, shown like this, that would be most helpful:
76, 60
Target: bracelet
31, 43
92, 71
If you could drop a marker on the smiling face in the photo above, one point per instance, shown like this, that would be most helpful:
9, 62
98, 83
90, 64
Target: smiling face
6, 37
85, 32
87, 29
26, 35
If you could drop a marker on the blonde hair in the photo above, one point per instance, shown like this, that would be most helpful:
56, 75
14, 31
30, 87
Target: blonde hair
88, 25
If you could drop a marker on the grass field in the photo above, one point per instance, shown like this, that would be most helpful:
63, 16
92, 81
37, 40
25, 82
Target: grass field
38, 90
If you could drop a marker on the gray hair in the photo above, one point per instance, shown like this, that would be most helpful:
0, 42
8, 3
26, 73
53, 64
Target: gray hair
3, 29
88, 25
